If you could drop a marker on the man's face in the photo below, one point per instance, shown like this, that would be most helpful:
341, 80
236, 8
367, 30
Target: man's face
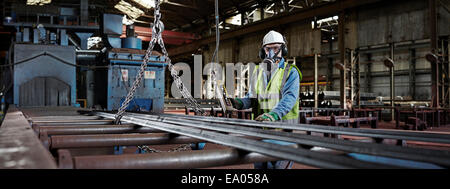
275, 47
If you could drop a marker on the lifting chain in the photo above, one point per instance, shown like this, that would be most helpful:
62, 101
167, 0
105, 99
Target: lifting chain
180, 148
157, 29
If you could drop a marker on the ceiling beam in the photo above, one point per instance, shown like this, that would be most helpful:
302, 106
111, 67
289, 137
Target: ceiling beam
276, 21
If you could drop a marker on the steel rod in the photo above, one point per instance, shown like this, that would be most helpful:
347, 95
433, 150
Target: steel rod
170, 160
307, 157
109, 140
433, 156
105, 140
95, 129
72, 122
45, 118
385, 134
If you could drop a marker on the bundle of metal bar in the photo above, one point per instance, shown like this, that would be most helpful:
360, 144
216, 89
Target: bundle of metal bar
355, 122
307, 157
164, 160
432, 156
372, 133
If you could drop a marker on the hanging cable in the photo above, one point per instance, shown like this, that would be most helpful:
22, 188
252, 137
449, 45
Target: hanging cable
215, 59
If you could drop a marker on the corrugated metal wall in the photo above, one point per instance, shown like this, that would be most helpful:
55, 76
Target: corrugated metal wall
225, 52
249, 47
380, 84
393, 23
376, 25
301, 39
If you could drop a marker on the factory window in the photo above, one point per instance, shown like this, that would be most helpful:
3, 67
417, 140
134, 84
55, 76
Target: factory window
131, 11
146, 3
38, 2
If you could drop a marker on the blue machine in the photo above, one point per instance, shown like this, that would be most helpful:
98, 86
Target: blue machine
124, 60
44, 75
132, 43
112, 28
124, 65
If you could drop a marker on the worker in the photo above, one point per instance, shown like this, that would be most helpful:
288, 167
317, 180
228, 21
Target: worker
276, 91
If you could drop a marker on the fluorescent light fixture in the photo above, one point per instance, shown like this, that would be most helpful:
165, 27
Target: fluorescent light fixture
329, 19
235, 20
38, 2
127, 21
132, 12
326, 20
268, 8
146, 3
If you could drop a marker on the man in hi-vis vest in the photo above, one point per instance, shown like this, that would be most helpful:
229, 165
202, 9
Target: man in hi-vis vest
276, 90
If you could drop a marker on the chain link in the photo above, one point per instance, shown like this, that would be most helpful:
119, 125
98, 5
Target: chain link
180, 148
157, 29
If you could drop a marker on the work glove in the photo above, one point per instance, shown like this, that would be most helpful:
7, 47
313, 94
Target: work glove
271, 116
237, 103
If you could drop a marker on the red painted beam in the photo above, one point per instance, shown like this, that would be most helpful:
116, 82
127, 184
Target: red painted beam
311, 78
169, 41
170, 37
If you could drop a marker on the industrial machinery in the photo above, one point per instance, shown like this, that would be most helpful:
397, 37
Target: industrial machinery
43, 68
50, 61
44, 75
42, 65
123, 60
123, 65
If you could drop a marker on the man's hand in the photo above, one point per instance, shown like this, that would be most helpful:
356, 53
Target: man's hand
271, 116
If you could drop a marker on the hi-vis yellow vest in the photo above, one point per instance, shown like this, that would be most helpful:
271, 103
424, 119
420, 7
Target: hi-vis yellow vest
268, 97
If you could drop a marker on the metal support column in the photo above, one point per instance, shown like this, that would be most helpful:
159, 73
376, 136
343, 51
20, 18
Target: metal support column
316, 94
392, 83
412, 73
448, 71
445, 74
357, 83
90, 86
343, 78
84, 12
433, 43
330, 67
351, 69
368, 78
442, 75
330, 75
